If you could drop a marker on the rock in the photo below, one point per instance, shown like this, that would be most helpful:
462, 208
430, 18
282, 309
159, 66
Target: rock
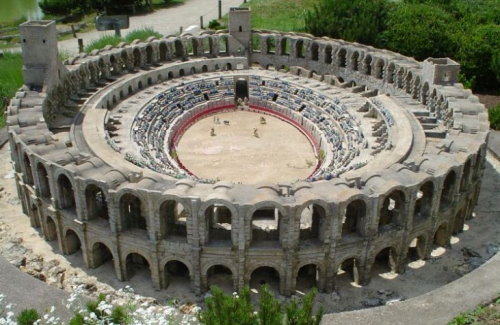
492, 249
467, 252
386, 293
372, 302
394, 300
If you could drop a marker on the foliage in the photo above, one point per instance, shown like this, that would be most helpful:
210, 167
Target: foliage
102, 42
64, 7
27, 317
483, 314
494, 117
142, 34
11, 79
221, 309
351, 20
214, 24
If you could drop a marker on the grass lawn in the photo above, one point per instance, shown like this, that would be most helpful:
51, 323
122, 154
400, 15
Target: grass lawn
11, 79
484, 314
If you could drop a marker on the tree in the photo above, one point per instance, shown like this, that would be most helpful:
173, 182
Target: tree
351, 20
419, 30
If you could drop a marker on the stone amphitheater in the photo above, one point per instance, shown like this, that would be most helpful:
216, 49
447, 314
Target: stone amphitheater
398, 146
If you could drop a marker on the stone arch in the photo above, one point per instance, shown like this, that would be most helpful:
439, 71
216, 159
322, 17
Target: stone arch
72, 242
265, 275
312, 223
391, 211
354, 61
384, 261
113, 64
97, 206
390, 73
379, 69
43, 180
220, 276
29, 172
314, 51
341, 57
131, 212
423, 202
135, 264
218, 218
176, 272
299, 49
51, 229
328, 54
170, 75
267, 223
416, 249
173, 220
425, 93
101, 254
448, 190
179, 49
163, 49
130, 90
400, 78
181, 73
464, 181
308, 277
204, 68
229, 66
367, 64
139, 85
137, 58
192, 70
150, 81
285, 46
66, 193
355, 214
409, 82
149, 54
349, 267
441, 236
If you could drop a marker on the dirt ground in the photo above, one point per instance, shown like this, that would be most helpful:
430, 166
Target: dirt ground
479, 241
277, 152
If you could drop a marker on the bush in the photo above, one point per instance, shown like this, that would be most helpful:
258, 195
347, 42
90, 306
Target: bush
63, 7
221, 309
214, 24
494, 117
27, 317
351, 20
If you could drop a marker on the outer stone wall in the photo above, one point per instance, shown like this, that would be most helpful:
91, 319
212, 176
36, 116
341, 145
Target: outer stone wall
117, 209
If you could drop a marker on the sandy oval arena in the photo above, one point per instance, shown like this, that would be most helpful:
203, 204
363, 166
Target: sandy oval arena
280, 152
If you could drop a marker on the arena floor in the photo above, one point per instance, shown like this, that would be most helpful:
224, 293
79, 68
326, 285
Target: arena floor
280, 153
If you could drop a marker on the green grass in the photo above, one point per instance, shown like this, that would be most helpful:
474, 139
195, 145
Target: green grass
494, 117
484, 314
141, 34
102, 42
283, 15
11, 79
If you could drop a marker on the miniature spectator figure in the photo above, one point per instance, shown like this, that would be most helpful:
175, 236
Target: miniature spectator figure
255, 133
212, 132
262, 120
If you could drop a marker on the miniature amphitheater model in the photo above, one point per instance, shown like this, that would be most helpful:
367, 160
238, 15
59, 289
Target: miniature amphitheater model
397, 146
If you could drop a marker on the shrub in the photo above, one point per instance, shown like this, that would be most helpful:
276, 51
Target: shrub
27, 317
214, 24
63, 7
142, 34
494, 117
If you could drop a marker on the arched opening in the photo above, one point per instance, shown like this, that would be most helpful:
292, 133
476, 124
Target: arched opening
299, 49
43, 180
341, 58
416, 88
285, 46
220, 276
112, 62
314, 51
425, 93
163, 51
229, 66
400, 80
328, 54
464, 182
312, 223
29, 173
223, 45
447, 191
352, 222
256, 47
170, 75
124, 60
416, 249
379, 69
130, 90
149, 54
179, 49
408, 82
96, 203
354, 61
137, 266
181, 73
204, 68
173, 220
51, 231
307, 277
218, 218
391, 211
150, 81
390, 73
423, 204
35, 216
348, 272
72, 242
271, 45
176, 274
130, 212
193, 70
194, 47
367, 62
265, 275
101, 255
385, 261
137, 58
66, 193
266, 226
139, 85
441, 237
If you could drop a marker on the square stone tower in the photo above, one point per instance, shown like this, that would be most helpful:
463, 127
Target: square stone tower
40, 54
441, 71
240, 30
